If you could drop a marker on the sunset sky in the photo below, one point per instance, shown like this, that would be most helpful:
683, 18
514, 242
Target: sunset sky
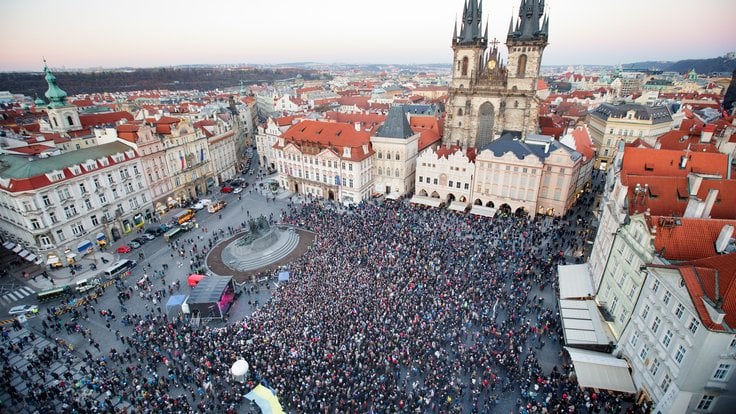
138, 33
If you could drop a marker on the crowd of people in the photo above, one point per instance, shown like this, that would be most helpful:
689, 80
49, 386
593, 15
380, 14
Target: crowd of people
394, 308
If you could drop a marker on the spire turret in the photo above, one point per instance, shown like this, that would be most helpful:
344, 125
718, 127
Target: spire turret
470, 29
55, 95
528, 25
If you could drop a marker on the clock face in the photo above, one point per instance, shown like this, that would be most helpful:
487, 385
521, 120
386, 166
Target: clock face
491, 64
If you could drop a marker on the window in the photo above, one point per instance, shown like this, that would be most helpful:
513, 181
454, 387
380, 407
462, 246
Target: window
60, 235
644, 353
667, 297
679, 310
103, 199
645, 312
450, 184
70, 211
654, 367
95, 222
434, 181
82, 188
706, 402
623, 316
665, 384
694, 325
35, 224
521, 67
634, 338
420, 178
53, 218
45, 200
722, 371
87, 204
680, 355
667, 338
397, 157
110, 180
44, 239
655, 324
655, 285
77, 229
632, 291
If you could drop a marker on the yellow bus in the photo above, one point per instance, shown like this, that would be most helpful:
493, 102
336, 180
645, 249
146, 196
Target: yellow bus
184, 216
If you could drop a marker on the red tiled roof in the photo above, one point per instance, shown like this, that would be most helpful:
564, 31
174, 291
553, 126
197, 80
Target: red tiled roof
33, 149
692, 239
369, 122
700, 279
83, 102
682, 140
583, 143
669, 196
445, 152
92, 120
329, 135
666, 163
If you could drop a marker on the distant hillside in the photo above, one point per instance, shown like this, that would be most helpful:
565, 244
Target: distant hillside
179, 78
726, 63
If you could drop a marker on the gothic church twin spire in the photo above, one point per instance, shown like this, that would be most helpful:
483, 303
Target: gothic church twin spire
527, 27
470, 29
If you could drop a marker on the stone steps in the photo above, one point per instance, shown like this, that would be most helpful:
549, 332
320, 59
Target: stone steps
271, 256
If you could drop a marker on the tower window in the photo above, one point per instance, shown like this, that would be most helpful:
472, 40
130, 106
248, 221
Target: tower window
465, 66
521, 68
460, 111
69, 120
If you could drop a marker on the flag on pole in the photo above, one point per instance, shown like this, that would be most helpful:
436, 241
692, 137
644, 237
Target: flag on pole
181, 158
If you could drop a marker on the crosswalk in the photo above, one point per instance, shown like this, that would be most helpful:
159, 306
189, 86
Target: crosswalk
16, 295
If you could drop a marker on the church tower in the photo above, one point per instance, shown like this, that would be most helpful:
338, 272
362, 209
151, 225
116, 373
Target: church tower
487, 98
63, 117
525, 42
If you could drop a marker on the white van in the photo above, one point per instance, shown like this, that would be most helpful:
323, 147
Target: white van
119, 267
87, 284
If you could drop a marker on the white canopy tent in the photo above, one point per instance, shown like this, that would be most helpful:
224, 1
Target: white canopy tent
483, 211
457, 206
393, 196
582, 323
239, 370
576, 281
427, 201
601, 371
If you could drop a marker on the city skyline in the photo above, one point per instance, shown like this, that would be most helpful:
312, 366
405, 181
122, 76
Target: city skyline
88, 34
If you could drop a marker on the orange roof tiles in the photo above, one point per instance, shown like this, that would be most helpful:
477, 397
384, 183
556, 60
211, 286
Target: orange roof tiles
445, 152
693, 239
700, 279
329, 135
682, 140
33, 149
645, 161
583, 143
669, 196
92, 120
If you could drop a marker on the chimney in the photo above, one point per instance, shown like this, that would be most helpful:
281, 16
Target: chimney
357, 126
724, 238
694, 181
683, 162
710, 199
707, 134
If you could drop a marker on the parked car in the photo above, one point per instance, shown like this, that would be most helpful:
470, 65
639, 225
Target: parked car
124, 249
198, 205
238, 190
140, 240
23, 309
155, 231
134, 244
226, 189
148, 236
